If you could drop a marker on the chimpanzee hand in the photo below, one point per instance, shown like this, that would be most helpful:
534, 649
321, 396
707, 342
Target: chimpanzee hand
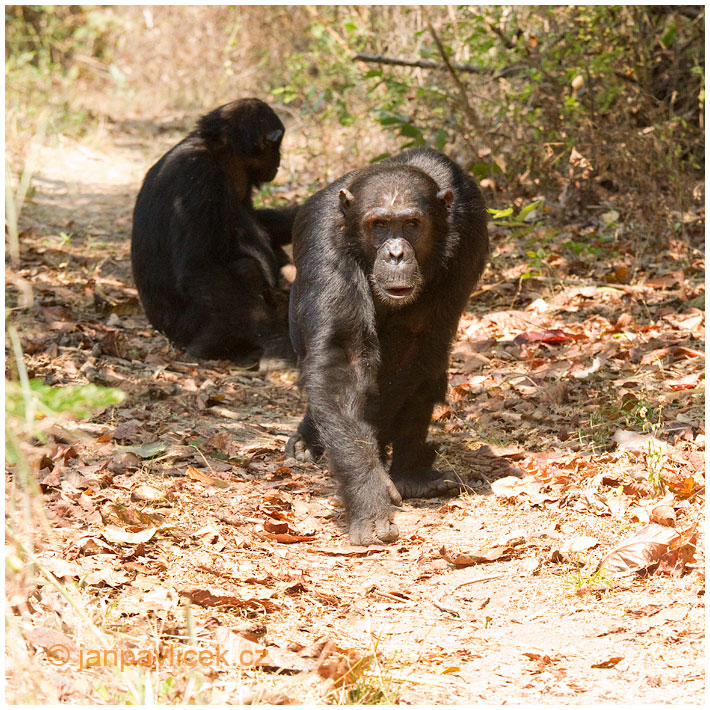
297, 448
371, 515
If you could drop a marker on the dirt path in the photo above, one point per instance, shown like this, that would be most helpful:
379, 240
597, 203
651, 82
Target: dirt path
258, 544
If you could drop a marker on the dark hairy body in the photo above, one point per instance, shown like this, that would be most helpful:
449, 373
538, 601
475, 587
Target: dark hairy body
386, 259
205, 262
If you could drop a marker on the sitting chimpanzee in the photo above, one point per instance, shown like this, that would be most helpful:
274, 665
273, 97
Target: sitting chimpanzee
204, 261
386, 258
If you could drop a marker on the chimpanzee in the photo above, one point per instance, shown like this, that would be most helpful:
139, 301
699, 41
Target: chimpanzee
386, 258
205, 262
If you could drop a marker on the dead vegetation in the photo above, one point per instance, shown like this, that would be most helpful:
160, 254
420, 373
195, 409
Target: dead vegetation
160, 549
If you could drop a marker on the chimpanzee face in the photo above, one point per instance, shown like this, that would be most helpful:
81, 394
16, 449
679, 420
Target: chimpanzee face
268, 160
399, 218
248, 131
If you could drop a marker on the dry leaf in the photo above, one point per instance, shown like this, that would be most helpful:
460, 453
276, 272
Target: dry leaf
642, 550
580, 544
609, 663
350, 550
512, 486
146, 494
108, 576
205, 598
638, 443
241, 651
197, 475
490, 554
116, 534
285, 537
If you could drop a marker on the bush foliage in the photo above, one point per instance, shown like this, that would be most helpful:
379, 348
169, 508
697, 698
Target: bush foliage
555, 99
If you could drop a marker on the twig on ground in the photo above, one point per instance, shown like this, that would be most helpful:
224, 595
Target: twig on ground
485, 578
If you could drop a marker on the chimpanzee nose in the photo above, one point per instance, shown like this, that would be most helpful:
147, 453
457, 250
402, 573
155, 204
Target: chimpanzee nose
395, 251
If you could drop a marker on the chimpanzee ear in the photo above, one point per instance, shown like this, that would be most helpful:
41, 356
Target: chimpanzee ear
446, 196
274, 136
346, 198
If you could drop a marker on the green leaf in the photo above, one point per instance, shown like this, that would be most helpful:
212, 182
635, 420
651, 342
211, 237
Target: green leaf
145, 451
75, 400
528, 209
411, 131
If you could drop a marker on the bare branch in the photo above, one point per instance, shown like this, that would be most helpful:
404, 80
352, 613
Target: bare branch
422, 63
465, 105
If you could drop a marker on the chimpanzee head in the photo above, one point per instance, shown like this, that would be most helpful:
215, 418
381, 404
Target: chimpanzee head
396, 220
247, 131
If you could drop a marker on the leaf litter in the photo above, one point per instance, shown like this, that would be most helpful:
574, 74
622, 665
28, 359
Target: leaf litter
575, 416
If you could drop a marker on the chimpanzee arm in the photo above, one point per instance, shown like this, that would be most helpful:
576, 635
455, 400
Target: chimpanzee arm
278, 223
341, 385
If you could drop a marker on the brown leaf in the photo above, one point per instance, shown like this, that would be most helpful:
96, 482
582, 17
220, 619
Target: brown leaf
513, 486
350, 550
441, 412
197, 475
127, 430
609, 663
688, 382
205, 598
108, 576
683, 553
64, 453
243, 652
663, 515
61, 568
542, 660
273, 526
146, 494
685, 489
640, 551
580, 544
546, 336
286, 538
638, 443
59, 647
490, 554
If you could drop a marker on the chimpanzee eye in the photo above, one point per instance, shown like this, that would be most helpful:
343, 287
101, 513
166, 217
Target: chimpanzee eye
379, 224
411, 223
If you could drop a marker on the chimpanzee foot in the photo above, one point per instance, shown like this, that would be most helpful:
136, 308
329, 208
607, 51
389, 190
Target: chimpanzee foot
277, 355
428, 483
373, 531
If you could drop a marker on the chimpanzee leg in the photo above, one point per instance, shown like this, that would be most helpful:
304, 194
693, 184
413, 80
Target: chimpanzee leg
235, 315
412, 455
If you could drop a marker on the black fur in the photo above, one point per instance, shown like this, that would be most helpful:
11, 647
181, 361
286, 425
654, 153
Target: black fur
204, 261
374, 366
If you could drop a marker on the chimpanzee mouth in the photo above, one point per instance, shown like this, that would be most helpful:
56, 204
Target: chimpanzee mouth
399, 292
